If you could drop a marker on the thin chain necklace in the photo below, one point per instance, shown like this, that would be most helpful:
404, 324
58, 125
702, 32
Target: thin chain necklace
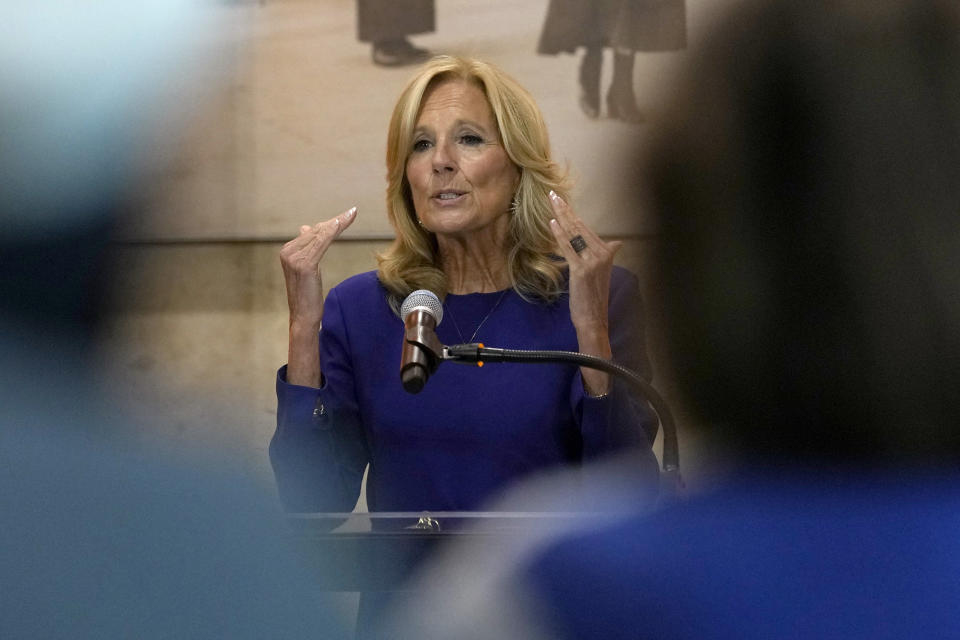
477, 330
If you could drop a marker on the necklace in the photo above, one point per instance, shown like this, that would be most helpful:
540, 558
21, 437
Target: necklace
477, 330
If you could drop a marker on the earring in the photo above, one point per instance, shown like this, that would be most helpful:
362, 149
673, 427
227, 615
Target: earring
514, 204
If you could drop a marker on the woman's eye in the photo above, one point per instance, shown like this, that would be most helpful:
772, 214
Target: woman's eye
471, 139
421, 145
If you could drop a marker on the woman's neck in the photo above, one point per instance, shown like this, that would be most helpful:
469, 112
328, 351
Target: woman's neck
473, 267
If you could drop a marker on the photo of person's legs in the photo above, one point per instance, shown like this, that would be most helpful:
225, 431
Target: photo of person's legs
621, 100
616, 28
590, 66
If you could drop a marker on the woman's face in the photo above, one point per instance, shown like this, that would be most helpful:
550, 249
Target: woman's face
460, 175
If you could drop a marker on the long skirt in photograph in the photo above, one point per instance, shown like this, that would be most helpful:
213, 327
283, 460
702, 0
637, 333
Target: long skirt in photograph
627, 25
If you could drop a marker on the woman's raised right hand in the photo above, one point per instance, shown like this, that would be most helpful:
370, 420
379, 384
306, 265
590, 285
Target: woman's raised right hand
300, 259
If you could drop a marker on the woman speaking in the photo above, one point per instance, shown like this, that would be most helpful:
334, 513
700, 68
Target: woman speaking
481, 219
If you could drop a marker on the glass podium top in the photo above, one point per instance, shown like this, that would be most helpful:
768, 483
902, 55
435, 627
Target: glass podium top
446, 522
379, 551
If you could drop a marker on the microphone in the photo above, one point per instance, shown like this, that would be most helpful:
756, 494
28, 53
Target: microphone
421, 312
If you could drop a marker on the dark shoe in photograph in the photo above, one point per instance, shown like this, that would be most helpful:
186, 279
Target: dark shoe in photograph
397, 53
623, 106
424, 54
589, 107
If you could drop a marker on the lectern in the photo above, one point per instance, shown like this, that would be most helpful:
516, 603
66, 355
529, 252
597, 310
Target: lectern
379, 551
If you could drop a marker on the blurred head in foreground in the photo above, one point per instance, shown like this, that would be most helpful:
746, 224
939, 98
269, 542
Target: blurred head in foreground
91, 96
100, 538
807, 188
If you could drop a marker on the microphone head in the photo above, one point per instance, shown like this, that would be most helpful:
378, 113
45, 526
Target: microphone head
424, 300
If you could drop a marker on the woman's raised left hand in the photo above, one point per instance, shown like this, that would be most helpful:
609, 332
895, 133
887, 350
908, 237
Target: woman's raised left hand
590, 261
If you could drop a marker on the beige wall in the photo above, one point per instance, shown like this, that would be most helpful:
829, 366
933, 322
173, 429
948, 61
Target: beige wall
200, 333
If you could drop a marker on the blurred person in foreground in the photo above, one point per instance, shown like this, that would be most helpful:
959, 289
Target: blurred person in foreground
807, 187
102, 538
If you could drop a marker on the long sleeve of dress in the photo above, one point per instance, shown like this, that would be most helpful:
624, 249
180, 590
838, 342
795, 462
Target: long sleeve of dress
319, 452
622, 420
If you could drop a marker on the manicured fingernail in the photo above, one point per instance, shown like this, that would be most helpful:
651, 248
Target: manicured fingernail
553, 194
352, 211
553, 222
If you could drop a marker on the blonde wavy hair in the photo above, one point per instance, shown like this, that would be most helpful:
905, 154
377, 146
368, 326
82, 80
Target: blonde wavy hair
411, 262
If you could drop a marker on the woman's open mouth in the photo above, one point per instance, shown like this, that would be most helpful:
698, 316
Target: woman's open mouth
448, 197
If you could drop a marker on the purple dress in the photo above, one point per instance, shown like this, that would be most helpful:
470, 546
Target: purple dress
472, 431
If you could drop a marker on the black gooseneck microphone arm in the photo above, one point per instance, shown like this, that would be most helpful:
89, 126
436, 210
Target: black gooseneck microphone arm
476, 353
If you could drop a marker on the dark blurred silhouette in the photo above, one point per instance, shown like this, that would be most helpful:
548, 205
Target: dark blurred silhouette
806, 187
387, 24
626, 27
102, 538
806, 182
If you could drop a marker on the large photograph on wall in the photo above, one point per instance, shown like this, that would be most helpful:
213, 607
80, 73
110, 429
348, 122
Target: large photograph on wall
300, 133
